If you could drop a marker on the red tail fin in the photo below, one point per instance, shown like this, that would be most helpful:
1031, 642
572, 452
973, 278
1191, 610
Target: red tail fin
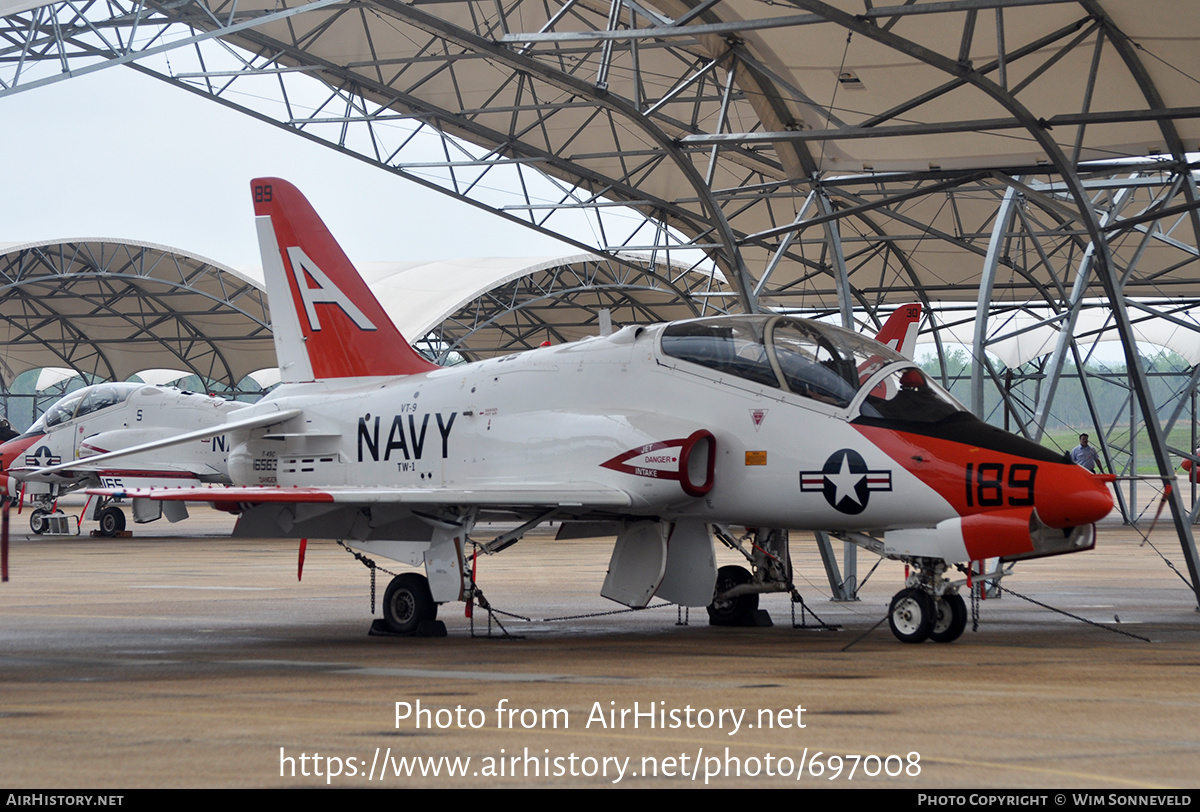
900, 330
326, 321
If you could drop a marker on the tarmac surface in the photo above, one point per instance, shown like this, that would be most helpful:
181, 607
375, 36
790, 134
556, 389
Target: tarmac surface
189, 659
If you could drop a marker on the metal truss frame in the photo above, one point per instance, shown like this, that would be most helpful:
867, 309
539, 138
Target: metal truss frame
662, 127
73, 301
563, 303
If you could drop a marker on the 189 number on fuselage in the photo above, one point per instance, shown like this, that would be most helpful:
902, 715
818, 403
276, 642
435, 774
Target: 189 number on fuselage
986, 484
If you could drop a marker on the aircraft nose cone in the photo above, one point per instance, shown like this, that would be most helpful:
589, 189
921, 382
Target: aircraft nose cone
1078, 498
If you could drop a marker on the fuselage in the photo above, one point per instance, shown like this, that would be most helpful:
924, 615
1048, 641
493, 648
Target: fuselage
752, 428
113, 416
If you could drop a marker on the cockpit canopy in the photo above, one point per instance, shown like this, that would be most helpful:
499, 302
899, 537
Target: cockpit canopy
83, 401
819, 361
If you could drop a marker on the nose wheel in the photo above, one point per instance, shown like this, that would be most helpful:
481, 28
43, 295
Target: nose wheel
37, 521
950, 618
911, 615
929, 608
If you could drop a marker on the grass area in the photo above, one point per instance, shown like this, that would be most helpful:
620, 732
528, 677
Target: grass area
1066, 439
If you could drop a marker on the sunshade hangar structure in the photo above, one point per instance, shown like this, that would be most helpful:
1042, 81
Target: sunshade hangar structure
828, 157
107, 309
110, 308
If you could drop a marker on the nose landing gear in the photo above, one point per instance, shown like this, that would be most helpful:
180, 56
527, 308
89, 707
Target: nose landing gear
911, 616
929, 608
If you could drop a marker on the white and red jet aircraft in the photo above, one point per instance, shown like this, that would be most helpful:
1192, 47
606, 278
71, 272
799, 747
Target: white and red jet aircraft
107, 417
662, 435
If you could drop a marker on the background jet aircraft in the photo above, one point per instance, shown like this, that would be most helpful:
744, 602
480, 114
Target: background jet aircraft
662, 435
107, 417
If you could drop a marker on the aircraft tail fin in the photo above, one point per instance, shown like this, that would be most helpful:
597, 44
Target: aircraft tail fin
900, 330
326, 321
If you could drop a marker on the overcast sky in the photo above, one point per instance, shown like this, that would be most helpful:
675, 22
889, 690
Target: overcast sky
118, 154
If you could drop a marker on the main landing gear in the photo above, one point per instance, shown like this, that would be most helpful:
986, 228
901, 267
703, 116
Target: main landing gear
408, 603
111, 520
109, 517
737, 610
929, 608
735, 599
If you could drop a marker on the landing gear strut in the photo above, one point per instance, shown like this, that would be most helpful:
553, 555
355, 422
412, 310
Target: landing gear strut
929, 607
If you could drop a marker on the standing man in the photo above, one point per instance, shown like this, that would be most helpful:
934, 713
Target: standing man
1085, 455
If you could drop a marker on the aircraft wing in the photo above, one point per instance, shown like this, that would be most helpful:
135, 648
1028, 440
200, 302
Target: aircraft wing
70, 475
561, 495
84, 469
256, 421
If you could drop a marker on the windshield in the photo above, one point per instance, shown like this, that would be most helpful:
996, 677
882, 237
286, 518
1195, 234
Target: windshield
811, 364
817, 361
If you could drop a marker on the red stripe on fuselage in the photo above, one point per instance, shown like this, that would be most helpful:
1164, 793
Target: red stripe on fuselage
142, 473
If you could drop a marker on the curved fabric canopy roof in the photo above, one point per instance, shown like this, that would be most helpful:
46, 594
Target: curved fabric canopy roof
795, 143
112, 308
499, 305
1032, 334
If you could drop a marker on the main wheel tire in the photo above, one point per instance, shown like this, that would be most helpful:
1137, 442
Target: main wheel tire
736, 610
949, 618
407, 602
37, 521
911, 615
112, 521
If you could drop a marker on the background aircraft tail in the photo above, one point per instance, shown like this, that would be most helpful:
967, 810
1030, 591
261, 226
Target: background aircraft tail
326, 321
900, 330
